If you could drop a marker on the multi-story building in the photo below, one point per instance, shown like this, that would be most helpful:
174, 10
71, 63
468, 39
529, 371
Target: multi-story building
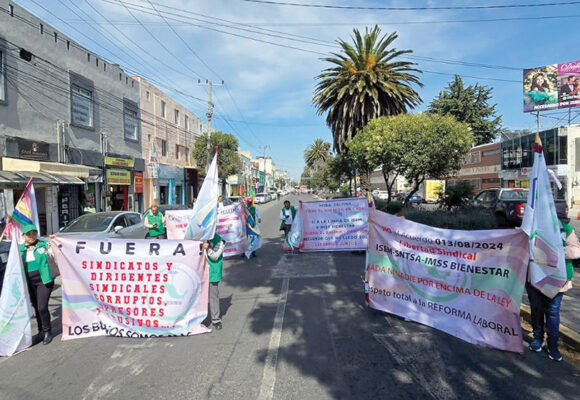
169, 131
481, 167
239, 184
68, 118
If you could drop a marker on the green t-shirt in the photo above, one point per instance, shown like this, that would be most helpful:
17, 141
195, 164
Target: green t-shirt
567, 230
40, 262
156, 219
215, 267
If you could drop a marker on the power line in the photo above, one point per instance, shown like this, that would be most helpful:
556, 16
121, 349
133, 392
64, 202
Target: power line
482, 7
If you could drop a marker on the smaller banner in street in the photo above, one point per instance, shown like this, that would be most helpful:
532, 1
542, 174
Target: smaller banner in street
465, 283
231, 226
132, 288
15, 308
334, 225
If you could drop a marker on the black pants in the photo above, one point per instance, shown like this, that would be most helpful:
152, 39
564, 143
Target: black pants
39, 296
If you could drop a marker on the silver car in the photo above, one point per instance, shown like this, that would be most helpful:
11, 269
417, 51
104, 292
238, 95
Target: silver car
110, 224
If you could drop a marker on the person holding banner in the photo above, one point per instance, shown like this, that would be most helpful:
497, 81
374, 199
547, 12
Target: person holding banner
545, 311
252, 229
155, 221
34, 254
214, 251
287, 216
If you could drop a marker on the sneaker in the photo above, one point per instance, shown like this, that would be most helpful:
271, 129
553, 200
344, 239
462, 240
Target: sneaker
218, 325
536, 345
555, 355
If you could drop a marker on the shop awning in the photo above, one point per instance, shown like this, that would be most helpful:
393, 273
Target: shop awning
13, 179
71, 170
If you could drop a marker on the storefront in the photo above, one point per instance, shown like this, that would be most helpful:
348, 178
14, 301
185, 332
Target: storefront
119, 181
171, 184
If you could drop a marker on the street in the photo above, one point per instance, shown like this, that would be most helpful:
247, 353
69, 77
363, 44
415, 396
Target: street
295, 327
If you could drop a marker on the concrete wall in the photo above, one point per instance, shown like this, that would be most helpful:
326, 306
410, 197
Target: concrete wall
38, 98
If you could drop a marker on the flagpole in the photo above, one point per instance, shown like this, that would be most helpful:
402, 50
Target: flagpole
538, 122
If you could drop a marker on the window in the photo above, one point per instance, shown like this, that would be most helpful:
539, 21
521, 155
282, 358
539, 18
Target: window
2, 73
55, 37
131, 124
68, 44
120, 75
186, 123
11, 8
163, 109
82, 106
186, 154
177, 151
97, 62
134, 219
176, 116
104, 66
473, 157
89, 57
148, 96
164, 148
41, 29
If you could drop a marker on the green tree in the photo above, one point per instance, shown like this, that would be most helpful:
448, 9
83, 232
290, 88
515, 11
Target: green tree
417, 147
317, 154
229, 162
470, 105
366, 81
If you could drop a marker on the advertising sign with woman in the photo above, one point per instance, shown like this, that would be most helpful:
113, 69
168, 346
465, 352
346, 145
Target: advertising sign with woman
541, 88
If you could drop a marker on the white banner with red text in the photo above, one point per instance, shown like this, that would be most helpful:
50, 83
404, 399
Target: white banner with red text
334, 225
132, 288
465, 283
231, 226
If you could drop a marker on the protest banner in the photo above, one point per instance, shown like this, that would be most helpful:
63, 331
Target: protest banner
132, 288
465, 283
15, 307
334, 225
231, 226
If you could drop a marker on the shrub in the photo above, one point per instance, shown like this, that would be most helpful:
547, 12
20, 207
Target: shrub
465, 218
393, 207
457, 195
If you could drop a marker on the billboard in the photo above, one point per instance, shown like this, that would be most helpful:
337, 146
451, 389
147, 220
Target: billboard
552, 86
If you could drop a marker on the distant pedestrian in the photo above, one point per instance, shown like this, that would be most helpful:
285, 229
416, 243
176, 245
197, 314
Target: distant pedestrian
252, 229
545, 312
34, 254
214, 251
287, 216
155, 221
220, 201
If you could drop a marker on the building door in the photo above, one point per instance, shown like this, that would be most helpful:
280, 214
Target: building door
120, 198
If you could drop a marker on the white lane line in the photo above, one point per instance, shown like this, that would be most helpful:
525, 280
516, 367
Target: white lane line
271, 362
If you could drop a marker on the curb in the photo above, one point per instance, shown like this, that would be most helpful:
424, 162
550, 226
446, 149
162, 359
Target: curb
567, 335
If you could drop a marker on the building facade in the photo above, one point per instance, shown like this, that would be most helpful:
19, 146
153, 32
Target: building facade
68, 118
481, 168
169, 131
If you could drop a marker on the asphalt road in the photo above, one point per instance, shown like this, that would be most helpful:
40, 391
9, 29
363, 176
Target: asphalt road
295, 327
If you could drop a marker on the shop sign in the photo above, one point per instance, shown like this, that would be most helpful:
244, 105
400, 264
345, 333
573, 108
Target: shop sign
120, 162
118, 177
153, 170
138, 187
30, 150
171, 172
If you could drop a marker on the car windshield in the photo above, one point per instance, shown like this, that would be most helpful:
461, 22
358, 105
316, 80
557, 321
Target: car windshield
89, 223
514, 195
259, 195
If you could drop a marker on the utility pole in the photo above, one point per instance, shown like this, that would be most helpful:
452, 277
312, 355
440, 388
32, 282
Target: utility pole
209, 115
264, 149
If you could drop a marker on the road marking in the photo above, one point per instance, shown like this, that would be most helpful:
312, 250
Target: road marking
271, 362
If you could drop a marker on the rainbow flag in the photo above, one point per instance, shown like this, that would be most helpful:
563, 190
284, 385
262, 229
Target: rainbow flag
25, 212
547, 270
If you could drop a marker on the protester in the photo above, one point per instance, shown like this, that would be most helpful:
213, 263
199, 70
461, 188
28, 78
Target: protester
155, 221
214, 251
34, 255
545, 312
287, 216
252, 222
220, 201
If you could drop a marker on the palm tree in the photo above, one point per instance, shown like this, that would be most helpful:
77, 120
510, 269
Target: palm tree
366, 82
317, 154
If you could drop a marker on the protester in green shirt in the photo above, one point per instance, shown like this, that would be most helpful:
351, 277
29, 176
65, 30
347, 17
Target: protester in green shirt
214, 251
155, 221
34, 255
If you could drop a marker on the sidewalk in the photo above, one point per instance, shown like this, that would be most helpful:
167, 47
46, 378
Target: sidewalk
569, 313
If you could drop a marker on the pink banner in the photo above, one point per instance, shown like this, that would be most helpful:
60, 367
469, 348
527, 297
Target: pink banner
466, 283
131, 288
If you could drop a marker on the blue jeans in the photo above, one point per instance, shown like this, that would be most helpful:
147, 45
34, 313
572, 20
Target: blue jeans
545, 312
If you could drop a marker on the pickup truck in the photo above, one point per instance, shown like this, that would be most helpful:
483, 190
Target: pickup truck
508, 205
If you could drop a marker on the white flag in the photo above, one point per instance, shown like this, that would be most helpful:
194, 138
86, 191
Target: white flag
15, 308
547, 262
203, 223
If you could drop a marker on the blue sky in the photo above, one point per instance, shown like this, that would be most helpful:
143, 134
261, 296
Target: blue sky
266, 100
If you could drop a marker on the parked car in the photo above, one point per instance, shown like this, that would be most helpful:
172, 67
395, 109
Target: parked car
508, 204
416, 199
235, 199
110, 224
381, 194
260, 198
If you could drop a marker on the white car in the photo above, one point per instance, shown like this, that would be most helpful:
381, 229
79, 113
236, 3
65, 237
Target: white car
260, 198
382, 195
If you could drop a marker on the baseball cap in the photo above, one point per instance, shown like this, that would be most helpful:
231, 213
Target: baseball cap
29, 227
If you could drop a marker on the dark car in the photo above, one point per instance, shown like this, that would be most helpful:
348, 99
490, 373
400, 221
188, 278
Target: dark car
416, 199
